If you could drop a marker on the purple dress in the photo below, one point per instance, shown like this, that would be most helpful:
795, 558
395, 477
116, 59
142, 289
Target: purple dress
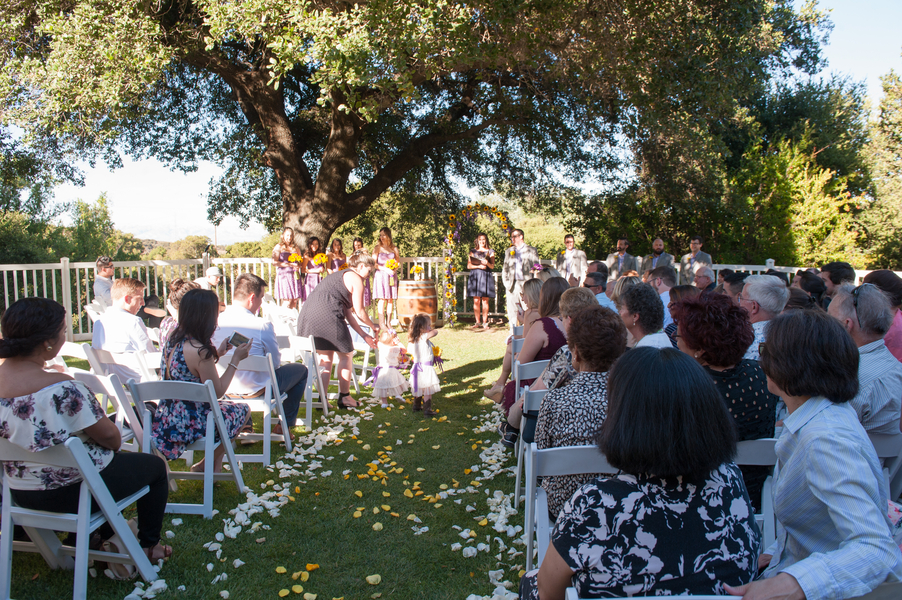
336, 263
312, 279
385, 286
287, 285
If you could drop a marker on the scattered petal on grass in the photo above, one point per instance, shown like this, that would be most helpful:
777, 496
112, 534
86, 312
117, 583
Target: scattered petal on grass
436, 447
224, 594
484, 522
386, 494
283, 593
170, 535
386, 507
297, 589
408, 493
261, 540
374, 579
281, 570
312, 567
420, 469
210, 567
309, 596
359, 494
176, 522
377, 526
357, 514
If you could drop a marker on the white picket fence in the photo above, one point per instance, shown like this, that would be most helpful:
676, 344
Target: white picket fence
71, 284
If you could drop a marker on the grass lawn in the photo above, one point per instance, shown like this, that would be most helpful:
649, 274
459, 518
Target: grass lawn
329, 519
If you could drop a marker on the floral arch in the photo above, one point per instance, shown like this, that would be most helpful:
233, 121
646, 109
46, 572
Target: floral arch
452, 239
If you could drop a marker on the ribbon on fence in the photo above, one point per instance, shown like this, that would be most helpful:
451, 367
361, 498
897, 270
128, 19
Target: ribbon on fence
417, 368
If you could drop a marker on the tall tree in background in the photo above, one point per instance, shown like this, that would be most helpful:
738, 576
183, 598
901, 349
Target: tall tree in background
883, 217
317, 108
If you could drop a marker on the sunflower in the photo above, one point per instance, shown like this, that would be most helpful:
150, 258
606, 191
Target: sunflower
451, 218
454, 269
447, 294
447, 259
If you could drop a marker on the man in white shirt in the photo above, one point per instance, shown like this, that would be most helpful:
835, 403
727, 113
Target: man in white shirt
211, 279
572, 263
103, 281
663, 279
241, 316
118, 330
596, 282
763, 297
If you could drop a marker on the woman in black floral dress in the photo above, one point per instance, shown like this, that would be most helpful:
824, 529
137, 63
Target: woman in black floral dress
677, 519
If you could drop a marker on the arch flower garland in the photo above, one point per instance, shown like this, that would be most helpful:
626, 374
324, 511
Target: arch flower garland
452, 238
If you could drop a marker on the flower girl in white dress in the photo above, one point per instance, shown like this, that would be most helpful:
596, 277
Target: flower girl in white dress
423, 378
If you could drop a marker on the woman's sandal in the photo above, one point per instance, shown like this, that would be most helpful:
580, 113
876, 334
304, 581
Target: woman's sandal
158, 553
340, 404
118, 571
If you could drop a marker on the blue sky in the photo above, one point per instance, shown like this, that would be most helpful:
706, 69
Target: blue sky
150, 201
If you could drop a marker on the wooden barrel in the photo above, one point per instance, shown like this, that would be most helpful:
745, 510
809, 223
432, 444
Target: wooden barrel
417, 297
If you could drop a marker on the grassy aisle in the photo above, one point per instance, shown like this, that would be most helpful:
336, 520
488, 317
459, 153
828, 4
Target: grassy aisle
352, 516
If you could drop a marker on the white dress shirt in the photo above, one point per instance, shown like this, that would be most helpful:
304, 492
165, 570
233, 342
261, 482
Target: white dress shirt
119, 331
263, 341
102, 287
665, 299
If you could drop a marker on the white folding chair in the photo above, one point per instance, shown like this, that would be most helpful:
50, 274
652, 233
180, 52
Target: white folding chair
110, 389
889, 450
761, 453
201, 393
361, 371
41, 525
139, 362
569, 460
518, 330
154, 334
884, 591
516, 346
269, 402
95, 309
531, 403
68, 349
305, 348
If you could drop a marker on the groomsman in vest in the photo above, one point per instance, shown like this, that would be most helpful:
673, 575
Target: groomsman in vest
571, 263
620, 262
657, 258
692, 261
518, 262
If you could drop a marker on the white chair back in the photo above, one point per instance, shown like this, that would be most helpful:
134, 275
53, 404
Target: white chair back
889, 450
41, 525
518, 331
761, 453
126, 418
95, 309
202, 393
569, 460
305, 349
100, 361
532, 401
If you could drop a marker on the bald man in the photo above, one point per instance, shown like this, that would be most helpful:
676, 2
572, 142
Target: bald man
657, 258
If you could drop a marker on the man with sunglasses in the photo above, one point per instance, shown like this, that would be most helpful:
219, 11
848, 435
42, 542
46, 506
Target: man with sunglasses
596, 283
763, 297
103, 280
865, 312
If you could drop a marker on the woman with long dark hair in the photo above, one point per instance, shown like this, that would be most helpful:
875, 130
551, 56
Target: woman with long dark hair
480, 282
189, 356
40, 409
288, 286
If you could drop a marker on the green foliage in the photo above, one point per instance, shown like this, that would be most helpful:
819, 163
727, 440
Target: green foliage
23, 240
883, 215
93, 234
261, 249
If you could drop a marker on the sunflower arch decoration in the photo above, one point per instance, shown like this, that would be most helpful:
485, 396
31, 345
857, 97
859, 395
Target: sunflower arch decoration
456, 222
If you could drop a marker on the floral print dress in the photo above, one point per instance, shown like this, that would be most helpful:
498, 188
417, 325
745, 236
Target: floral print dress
645, 536
177, 423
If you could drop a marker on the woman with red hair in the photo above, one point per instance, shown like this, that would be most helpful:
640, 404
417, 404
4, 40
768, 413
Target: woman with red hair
716, 333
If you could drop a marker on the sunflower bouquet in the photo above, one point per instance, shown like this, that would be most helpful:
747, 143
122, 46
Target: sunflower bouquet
320, 259
296, 259
393, 265
417, 272
437, 359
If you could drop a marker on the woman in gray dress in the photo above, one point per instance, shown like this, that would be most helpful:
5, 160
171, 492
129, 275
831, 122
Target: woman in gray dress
336, 303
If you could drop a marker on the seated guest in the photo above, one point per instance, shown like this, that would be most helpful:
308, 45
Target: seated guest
663, 279
643, 316
676, 520
733, 284
560, 370
620, 286
119, 330
865, 312
572, 415
542, 341
722, 274
676, 294
704, 278
716, 333
891, 284
597, 283
799, 300
210, 280
763, 297
103, 281
830, 498
835, 274
529, 296
811, 284
241, 317
177, 289
39, 409
779, 275
190, 356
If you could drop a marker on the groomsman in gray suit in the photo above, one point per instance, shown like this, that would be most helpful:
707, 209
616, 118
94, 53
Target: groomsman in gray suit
571, 263
620, 262
657, 258
692, 261
518, 262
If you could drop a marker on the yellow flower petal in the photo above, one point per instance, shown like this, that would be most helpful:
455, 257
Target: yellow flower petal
411, 517
386, 507
283, 593
374, 579
386, 494
375, 510
408, 493
484, 522
309, 596
420, 469
297, 489
297, 589
281, 570
444, 486
437, 447
305, 576
366, 446
357, 514
312, 566
295, 575
359, 494
377, 526
394, 514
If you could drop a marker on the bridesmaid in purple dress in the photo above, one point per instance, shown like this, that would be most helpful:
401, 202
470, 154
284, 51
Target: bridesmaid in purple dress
367, 294
314, 271
287, 288
385, 281
337, 256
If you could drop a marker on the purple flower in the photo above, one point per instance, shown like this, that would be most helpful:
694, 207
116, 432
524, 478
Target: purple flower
24, 408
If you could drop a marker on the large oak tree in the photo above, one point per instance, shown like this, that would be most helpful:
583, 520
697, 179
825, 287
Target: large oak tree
316, 107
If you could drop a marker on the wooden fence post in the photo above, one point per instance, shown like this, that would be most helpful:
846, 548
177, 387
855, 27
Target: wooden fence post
66, 278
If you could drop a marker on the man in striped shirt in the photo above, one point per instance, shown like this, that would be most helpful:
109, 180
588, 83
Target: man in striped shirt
866, 314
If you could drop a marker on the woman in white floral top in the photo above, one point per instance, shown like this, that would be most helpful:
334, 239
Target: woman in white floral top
40, 409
